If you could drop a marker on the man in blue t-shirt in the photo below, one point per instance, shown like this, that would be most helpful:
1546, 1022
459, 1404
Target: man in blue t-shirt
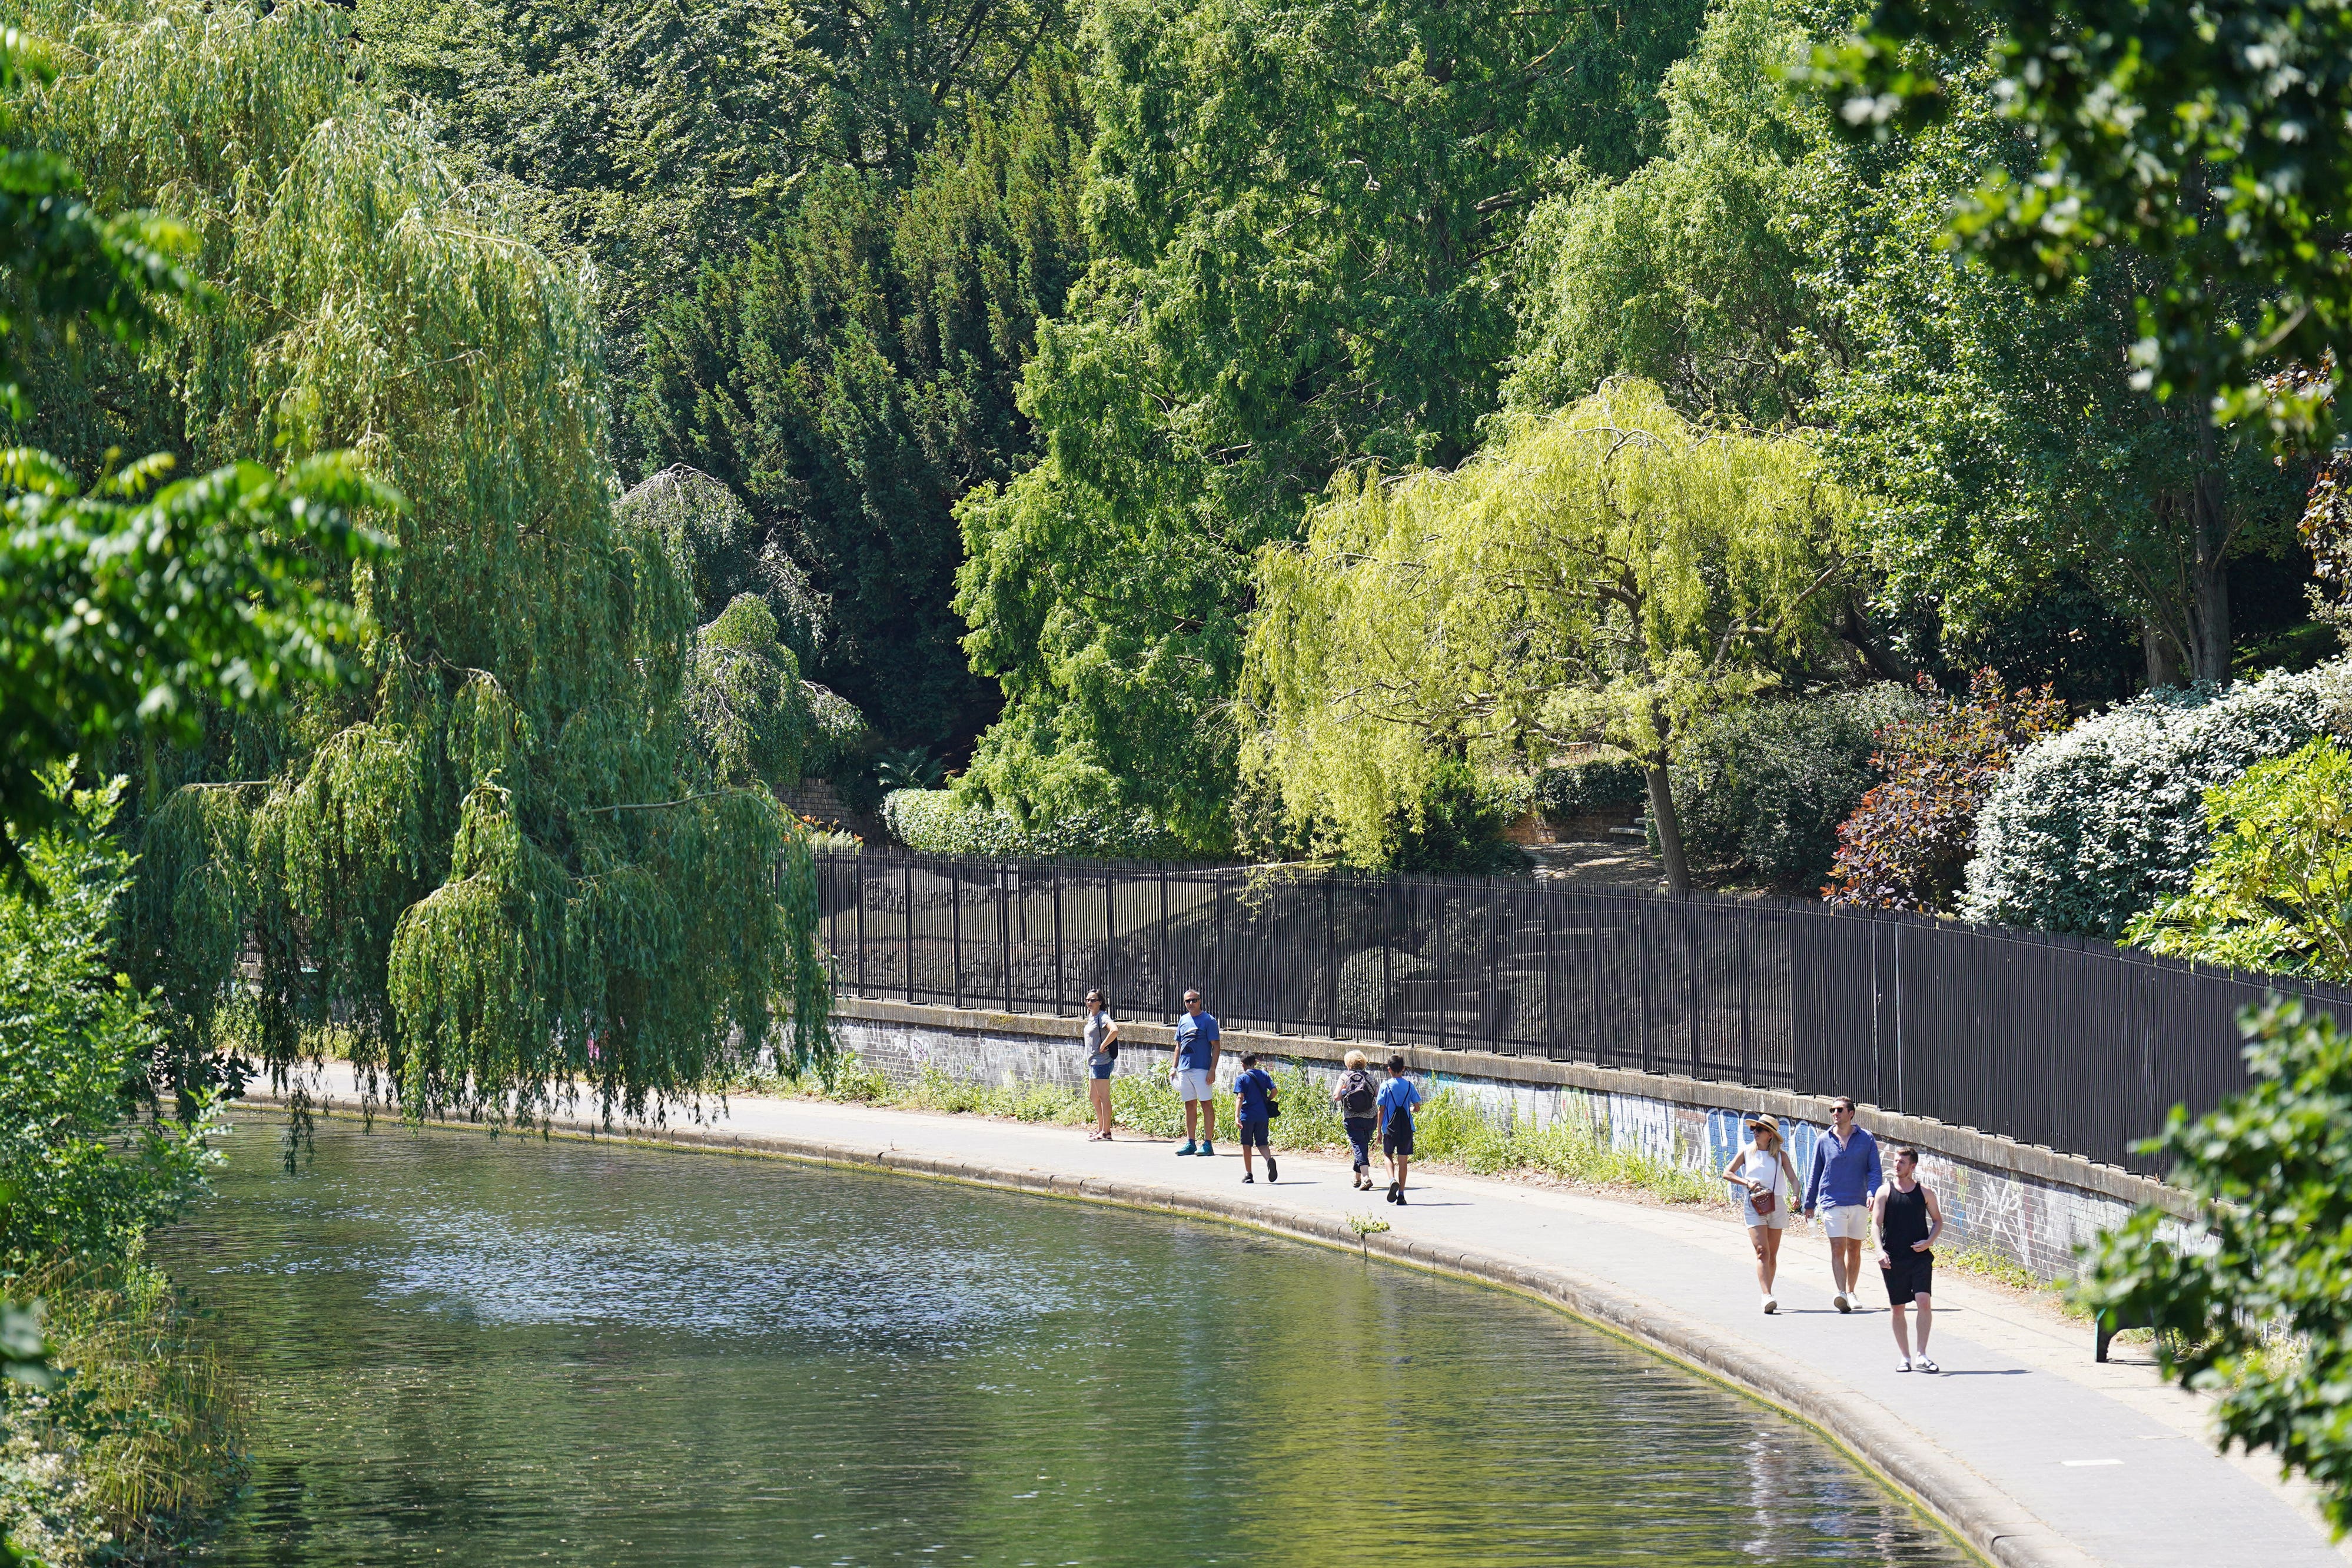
1193, 1066
1397, 1098
1255, 1108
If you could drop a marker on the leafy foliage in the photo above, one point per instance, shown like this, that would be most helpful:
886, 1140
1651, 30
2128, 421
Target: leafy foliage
2091, 827
2262, 1317
1907, 843
947, 822
80, 1175
2214, 140
1761, 791
504, 866
2275, 890
1303, 217
1611, 572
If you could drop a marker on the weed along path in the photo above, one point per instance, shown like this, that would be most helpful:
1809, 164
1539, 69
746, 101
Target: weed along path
2030, 1452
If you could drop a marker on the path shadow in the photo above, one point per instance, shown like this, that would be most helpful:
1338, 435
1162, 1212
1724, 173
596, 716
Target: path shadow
1986, 1372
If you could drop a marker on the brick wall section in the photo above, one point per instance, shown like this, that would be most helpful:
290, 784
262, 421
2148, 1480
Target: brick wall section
2028, 1205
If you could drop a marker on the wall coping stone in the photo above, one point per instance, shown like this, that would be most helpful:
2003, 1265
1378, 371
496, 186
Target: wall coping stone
1991, 1151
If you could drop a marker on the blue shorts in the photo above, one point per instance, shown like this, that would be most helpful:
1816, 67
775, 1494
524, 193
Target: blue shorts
1102, 1069
1258, 1133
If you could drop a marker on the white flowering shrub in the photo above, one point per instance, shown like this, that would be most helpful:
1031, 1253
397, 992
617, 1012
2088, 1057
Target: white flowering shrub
2092, 827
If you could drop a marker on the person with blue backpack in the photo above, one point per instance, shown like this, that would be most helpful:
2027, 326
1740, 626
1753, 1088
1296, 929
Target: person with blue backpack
1396, 1100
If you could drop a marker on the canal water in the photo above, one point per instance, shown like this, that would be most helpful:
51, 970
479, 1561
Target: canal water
463, 1350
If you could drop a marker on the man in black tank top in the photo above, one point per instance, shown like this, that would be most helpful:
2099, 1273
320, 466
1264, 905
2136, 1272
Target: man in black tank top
1909, 1219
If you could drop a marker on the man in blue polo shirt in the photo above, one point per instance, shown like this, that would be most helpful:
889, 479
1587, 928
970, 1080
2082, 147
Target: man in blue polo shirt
1843, 1175
1194, 1066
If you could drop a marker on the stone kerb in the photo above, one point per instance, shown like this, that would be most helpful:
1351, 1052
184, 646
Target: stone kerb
2028, 1205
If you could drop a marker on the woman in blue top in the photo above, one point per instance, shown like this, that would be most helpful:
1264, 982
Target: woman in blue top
1397, 1097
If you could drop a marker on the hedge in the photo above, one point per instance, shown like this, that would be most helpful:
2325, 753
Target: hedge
939, 822
2092, 826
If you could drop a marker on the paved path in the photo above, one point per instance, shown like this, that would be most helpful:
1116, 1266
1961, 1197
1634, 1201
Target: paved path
2033, 1452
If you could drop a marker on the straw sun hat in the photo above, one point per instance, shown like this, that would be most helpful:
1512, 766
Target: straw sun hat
1763, 1121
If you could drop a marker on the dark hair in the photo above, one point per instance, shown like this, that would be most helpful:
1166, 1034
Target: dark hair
1249, 1058
1396, 1065
1845, 1100
1095, 995
1906, 1149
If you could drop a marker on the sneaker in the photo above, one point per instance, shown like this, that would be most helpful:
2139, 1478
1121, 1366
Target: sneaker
1923, 1364
1400, 1198
1189, 1147
1903, 1365
1396, 1191
1271, 1174
1770, 1306
1844, 1305
1247, 1177
1207, 1150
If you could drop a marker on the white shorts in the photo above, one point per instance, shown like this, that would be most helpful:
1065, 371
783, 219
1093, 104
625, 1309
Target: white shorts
1846, 1221
1195, 1083
1777, 1220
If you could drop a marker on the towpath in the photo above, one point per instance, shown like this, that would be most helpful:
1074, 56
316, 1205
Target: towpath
2032, 1452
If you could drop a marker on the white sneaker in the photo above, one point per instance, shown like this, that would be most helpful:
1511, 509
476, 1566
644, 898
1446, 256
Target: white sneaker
1844, 1305
1924, 1364
1770, 1306
1903, 1365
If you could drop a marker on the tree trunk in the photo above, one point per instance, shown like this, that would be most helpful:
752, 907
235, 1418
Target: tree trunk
1670, 830
2209, 574
2163, 653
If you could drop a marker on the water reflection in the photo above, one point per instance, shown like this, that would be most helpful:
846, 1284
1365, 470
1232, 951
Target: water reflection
470, 1350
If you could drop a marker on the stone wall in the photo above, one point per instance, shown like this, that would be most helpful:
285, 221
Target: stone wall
2025, 1203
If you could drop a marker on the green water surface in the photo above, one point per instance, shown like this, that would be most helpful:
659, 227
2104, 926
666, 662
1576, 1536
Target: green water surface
464, 1350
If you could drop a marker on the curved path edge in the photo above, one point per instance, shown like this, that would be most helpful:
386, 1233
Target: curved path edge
1978, 1513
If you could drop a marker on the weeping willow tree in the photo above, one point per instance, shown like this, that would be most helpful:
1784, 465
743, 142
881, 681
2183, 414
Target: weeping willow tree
511, 866
1604, 573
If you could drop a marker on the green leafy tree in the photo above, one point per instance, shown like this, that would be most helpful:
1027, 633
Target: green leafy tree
2215, 140
2260, 1316
1907, 844
1303, 219
1608, 574
1765, 268
2275, 890
504, 863
854, 373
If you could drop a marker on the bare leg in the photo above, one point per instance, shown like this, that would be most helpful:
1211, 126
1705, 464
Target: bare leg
1208, 1122
1768, 1254
1845, 1264
1927, 1319
1903, 1336
1192, 1121
1101, 1089
1248, 1167
1403, 1162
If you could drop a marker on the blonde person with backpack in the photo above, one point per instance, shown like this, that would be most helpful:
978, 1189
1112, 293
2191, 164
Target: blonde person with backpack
1357, 1094
1765, 1179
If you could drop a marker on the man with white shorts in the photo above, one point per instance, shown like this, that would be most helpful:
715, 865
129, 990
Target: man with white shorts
1843, 1176
1194, 1065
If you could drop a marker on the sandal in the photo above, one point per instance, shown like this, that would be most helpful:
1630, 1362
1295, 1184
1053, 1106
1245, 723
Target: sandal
1921, 1363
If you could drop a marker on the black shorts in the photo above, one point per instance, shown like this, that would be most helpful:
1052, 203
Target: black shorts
1914, 1274
1258, 1133
1398, 1138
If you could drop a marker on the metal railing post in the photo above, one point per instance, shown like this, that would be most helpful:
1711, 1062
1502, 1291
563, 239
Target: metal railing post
906, 880
1060, 973
1110, 939
955, 927
857, 869
1441, 969
1004, 929
1331, 958
1167, 984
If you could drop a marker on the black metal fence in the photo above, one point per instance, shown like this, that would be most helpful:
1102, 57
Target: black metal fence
2075, 1045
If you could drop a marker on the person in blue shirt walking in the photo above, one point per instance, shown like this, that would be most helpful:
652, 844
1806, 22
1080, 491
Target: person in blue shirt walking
1842, 1180
1193, 1065
1255, 1108
1397, 1098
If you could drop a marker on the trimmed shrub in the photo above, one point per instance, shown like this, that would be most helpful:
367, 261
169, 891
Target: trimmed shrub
1592, 784
1763, 789
2092, 826
1458, 829
1906, 844
941, 822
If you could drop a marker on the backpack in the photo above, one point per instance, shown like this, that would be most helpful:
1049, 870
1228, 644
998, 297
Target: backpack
1357, 1094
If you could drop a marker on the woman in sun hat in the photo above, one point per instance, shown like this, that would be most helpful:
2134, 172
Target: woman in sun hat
1764, 1177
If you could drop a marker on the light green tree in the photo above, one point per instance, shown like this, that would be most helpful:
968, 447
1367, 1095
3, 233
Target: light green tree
2275, 890
1603, 573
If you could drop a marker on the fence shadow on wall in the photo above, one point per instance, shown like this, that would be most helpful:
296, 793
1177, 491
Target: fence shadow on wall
2075, 1045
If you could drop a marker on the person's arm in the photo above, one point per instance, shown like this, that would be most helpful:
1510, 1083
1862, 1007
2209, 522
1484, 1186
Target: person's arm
1813, 1169
1879, 1226
1110, 1034
1739, 1163
1874, 1175
1934, 1220
1216, 1047
1789, 1165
